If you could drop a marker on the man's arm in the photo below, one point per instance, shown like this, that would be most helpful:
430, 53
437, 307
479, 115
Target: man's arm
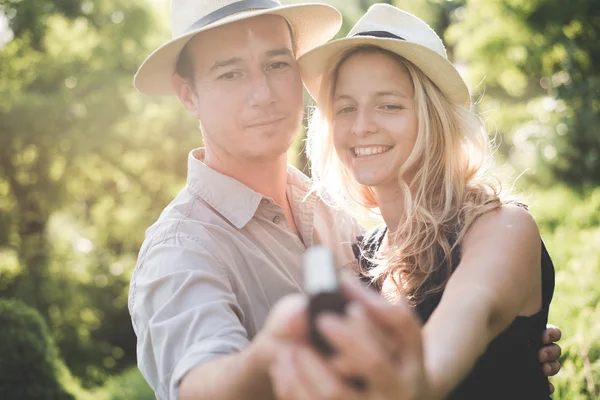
185, 315
234, 376
245, 375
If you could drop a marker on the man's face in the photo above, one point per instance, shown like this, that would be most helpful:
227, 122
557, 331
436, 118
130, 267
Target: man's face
247, 90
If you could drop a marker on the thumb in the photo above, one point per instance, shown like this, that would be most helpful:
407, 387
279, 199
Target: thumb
288, 318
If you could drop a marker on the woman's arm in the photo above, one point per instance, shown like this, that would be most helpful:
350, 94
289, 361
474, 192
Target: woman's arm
382, 345
498, 278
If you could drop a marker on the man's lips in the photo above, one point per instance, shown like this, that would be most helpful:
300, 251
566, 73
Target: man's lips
265, 123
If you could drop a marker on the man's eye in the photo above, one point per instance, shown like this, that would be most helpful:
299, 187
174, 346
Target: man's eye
229, 76
278, 65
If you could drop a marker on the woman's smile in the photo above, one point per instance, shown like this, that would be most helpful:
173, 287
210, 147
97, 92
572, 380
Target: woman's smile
369, 151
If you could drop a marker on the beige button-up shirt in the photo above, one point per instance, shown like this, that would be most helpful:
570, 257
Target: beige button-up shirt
215, 262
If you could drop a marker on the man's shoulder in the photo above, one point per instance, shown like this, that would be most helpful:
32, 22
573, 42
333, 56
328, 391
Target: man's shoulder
186, 216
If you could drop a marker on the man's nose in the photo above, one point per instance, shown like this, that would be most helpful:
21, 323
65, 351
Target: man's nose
261, 92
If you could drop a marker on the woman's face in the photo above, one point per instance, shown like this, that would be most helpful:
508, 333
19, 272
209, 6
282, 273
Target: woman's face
374, 117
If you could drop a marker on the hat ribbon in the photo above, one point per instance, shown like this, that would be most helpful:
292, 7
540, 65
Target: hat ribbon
380, 34
230, 9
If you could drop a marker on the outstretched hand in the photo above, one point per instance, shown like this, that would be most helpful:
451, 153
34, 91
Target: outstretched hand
377, 342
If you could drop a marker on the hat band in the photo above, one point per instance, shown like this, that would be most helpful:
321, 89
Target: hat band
380, 34
230, 9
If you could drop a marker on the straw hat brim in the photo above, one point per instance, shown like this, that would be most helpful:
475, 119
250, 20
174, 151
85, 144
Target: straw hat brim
312, 24
315, 64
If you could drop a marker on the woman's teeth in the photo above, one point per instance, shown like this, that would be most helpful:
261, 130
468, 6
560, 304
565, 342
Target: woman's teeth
369, 151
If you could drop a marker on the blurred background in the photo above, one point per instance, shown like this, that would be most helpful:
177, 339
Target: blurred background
87, 164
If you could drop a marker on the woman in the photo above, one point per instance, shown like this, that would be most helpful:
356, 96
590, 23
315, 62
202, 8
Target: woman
394, 134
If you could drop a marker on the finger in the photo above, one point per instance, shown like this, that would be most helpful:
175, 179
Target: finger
279, 376
551, 387
551, 334
390, 316
384, 338
551, 352
288, 319
363, 326
286, 380
321, 381
405, 328
551, 368
355, 290
279, 381
358, 355
402, 377
398, 319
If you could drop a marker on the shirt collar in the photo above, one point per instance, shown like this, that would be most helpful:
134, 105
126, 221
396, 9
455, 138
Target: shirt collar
231, 198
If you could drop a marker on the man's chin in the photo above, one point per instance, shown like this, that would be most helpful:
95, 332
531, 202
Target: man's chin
269, 153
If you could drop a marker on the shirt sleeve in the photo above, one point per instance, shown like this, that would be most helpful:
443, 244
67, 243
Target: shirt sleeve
184, 312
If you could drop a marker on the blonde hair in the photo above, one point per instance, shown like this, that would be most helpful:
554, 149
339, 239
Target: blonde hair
446, 192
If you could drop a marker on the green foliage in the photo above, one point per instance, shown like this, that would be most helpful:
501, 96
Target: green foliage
87, 164
570, 226
128, 386
29, 367
538, 63
82, 175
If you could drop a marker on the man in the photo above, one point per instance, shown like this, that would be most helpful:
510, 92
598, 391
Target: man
230, 244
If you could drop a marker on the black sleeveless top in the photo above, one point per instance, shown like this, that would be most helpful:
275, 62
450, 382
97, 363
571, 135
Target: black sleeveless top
509, 369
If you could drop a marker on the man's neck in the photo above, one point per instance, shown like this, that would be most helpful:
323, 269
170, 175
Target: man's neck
267, 177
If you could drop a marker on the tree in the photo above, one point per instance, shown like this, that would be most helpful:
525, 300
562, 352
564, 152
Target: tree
539, 62
29, 367
86, 164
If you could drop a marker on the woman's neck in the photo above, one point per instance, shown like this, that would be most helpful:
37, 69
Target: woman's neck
391, 205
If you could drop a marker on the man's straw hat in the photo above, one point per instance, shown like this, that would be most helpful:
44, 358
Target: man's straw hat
312, 25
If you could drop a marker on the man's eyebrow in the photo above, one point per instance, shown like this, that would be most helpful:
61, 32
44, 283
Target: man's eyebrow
225, 63
284, 51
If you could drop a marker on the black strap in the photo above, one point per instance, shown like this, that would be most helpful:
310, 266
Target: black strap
368, 244
380, 34
233, 8
548, 279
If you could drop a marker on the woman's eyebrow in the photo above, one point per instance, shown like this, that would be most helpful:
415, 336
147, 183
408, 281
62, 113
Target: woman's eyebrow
391, 93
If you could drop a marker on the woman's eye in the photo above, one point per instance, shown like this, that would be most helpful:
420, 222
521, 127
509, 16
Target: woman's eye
345, 110
392, 107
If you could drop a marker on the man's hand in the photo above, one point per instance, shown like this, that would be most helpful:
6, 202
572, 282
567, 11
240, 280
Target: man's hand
244, 375
287, 323
550, 352
377, 342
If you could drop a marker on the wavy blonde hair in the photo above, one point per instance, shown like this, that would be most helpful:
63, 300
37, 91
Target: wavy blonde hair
445, 194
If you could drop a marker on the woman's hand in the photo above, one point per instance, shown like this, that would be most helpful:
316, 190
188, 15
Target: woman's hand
376, 342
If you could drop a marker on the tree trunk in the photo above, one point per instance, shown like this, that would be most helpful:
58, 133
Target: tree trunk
33, 255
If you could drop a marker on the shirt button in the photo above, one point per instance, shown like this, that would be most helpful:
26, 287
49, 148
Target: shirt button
276, 219
265, 201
